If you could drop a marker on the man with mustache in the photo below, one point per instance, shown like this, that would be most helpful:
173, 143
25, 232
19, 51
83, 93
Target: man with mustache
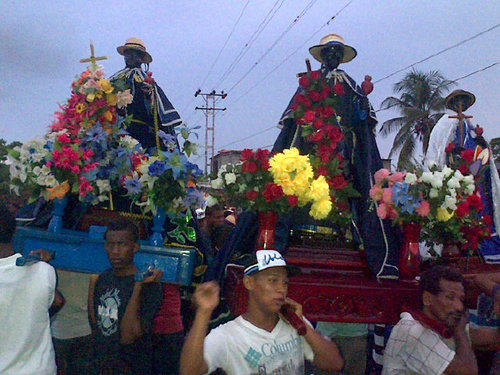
437, 339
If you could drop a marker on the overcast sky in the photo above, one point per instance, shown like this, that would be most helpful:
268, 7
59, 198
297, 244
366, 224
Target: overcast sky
42, 43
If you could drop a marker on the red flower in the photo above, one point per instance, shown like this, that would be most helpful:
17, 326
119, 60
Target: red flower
315, 96
247, 154
463, 168
249, 166
327, 111
315, 75
476, 202
304, 81
272, 192
487, 220
468, 155
323, 171
339, 182
339, 89
334, 133
262, 155
293, 200
264, 165
318, 123
309, 116
316, 137
64, 138
325, 92
252, 195
295, 106
462, 209
451, 146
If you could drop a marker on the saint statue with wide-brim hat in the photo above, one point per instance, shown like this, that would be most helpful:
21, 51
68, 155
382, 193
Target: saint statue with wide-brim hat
135, 44
453, 100
330, 41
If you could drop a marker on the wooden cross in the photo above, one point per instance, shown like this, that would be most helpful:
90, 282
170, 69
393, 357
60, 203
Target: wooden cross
460, 116
92, 57
308, 65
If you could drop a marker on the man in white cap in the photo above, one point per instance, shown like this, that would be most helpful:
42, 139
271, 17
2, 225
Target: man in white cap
260, 341
358, 148
151, 110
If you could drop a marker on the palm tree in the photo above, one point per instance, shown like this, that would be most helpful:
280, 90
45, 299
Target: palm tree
420, 105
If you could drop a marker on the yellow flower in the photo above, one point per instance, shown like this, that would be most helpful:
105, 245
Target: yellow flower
58, 191
80, 107
291, 171
321, 209
112, 99
106, 85
90, 97
108, 116
319, 189
443, 214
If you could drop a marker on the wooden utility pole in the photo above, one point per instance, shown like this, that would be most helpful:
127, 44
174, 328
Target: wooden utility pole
210, 110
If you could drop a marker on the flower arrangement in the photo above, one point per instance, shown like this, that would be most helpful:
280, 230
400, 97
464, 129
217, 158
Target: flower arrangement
85, 150
444, 201
166, 180
277, 183
314, 111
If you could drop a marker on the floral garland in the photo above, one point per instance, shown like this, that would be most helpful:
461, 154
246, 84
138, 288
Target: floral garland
314, 111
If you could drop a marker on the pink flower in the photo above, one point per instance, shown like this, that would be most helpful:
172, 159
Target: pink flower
424, 209
386, 211
376, 193
396, 177
381, 175
387, 195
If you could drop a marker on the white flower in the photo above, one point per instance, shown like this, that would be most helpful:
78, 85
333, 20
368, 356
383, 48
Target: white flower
426, 177
447, 171
128, 141
437, 180
453, 183
470, 189
230, 178
411, 178
450, 202
433, 193
51, 181
217, 183
242, 188
452, 192
432, 164
124, 98
469, 179
104, 186
15, 189
458, 175
37, 170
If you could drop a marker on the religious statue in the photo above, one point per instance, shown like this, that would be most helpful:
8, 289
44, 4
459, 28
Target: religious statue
357, 119
454, 128
151, 110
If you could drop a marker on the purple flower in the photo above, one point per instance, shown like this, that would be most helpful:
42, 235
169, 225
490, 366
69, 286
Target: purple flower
157, 168
133, 185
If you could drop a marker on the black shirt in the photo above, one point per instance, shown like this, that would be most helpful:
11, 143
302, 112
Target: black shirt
111, 296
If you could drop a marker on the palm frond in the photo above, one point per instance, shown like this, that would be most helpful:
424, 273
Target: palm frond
391, 125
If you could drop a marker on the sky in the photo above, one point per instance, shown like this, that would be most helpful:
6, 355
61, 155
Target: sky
259, 44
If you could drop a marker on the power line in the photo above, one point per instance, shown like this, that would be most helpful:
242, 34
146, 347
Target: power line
292, 24
225, 43
440, 52
246, 47
455, 80
290, 55
248, 137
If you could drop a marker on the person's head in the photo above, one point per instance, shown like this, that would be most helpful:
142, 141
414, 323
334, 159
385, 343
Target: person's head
121, 245
135, 53
443, 294
332, 51
266, 280
7, 225
214, 216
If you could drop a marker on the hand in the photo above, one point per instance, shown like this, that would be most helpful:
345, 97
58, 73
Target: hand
296, 307
155, 277
45, 255
206, 296
460, 327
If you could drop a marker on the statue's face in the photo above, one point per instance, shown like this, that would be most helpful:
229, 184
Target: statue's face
133, 58
332, 56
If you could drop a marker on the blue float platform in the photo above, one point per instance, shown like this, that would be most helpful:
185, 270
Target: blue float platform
84, 252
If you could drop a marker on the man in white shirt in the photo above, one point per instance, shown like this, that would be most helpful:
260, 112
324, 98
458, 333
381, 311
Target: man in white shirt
26, 294
437, 339
260, 341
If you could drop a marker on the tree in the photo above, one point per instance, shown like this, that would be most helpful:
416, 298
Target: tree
420, 105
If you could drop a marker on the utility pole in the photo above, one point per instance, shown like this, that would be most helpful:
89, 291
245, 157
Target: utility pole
209, 109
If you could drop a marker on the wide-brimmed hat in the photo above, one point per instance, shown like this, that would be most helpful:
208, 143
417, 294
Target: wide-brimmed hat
264, 259
329, 41
137, 44
467, 98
